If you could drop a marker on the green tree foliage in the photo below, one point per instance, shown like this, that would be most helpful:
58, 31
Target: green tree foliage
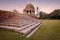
43, 15
55, 14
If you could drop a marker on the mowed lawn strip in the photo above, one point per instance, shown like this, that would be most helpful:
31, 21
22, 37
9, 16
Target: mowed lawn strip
49, 30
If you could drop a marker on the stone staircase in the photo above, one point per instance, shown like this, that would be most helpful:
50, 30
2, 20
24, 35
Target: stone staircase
23, 24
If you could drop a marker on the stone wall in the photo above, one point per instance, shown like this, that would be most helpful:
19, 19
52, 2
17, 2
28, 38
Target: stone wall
6, 14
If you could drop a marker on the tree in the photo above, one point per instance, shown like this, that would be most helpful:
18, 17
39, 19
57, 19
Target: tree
55, 14
43, 15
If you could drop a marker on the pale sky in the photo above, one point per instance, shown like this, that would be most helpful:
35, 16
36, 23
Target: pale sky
44, 5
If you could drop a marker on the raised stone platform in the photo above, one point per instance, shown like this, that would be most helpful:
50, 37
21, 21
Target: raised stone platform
23, 24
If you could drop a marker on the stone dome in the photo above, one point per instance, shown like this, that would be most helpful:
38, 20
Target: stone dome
29, 7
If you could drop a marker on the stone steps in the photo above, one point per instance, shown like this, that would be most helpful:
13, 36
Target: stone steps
28, 30
20, 22
17, 28
21, 28
31, 33
24, 24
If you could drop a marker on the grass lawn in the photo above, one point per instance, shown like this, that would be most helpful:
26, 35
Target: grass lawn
49, 30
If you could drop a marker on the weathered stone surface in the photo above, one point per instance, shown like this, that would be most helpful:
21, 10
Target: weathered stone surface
6, 15
21, 23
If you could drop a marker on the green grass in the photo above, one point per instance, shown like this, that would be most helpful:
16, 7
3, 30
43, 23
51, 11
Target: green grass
49, 30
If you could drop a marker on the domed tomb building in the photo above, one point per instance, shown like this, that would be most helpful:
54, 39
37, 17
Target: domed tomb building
29, 10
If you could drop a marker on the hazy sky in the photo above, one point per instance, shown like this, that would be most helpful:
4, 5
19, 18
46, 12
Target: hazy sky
44, 5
